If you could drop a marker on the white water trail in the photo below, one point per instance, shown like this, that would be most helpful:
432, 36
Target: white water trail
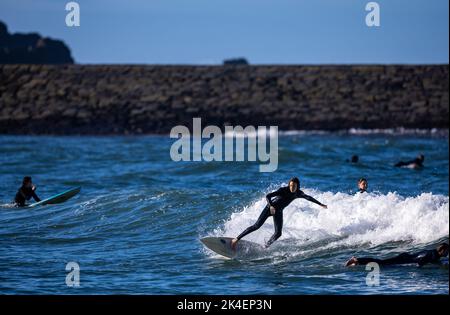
351, 220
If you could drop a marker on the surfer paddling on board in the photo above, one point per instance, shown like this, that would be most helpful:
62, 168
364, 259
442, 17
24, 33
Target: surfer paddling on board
432, 256
281, 199
25, 192
417, 163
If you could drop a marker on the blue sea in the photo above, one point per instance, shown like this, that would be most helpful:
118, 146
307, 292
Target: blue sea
136, 224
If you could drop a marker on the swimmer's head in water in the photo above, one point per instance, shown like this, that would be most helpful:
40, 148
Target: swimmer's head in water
443, 250
355, 159
294, 184
421, 157
26, 182
363, 184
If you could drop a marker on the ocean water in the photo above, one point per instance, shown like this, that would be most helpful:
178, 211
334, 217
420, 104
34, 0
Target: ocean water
135, 226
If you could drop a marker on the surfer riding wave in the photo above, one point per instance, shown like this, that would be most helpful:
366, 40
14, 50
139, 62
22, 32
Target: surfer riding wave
281, 199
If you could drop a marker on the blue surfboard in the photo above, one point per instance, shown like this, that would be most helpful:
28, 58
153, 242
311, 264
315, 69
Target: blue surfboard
59, 198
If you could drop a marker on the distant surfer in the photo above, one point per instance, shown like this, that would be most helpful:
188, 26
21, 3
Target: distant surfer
416, 163
354, 159
281, 199
432, 256
362, 185
25, 192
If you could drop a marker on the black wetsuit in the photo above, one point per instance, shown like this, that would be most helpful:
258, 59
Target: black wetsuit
24, 194
421, 258
416, 161
281, 199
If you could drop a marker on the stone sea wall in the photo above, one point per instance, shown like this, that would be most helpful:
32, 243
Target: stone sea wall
125, 99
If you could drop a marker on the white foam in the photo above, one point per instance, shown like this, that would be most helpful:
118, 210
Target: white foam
257, 133
351, 220
8, 205
400, 131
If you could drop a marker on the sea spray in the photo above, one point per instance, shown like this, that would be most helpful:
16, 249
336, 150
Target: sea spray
351, 220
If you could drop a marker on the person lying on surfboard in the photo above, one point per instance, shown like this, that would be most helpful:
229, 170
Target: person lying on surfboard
432, 256
282, 198
25, 192
417, 163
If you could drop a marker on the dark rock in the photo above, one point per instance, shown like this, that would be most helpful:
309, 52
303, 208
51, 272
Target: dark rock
31, 49
236, 61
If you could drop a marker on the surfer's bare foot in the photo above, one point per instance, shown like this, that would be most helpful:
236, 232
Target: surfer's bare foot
234, 243
352, 262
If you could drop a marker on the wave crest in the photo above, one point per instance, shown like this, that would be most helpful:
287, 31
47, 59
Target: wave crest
351, 220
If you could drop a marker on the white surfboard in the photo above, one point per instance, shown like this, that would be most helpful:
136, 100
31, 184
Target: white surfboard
222, 246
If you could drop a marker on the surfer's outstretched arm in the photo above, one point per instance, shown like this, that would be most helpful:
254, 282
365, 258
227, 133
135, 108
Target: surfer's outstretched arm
311, 199
401, 259
363, 261
421, 258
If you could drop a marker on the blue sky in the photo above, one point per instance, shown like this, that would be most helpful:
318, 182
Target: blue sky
263, 31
